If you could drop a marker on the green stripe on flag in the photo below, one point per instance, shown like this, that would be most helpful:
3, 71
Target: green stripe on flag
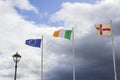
68, 34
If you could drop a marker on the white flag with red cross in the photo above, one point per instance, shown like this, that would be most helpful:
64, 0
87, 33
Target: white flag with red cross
103, 29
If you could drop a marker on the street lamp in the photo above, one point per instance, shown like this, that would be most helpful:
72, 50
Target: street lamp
16, 58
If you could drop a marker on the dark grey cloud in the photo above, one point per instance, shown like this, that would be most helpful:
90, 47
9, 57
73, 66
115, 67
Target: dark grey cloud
98, 56
94, 58
116, 28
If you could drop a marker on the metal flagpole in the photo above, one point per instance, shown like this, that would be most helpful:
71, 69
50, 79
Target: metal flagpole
73, 52
114, 61
42, 60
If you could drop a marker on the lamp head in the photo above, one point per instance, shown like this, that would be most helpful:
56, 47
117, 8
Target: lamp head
16, 57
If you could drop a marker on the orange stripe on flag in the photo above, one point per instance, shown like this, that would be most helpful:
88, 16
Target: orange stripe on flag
56, 33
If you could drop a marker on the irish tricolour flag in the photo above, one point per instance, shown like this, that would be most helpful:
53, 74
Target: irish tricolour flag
63, 33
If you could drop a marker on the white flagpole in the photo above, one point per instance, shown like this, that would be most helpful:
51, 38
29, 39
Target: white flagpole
42, 60
114, 61
73, 52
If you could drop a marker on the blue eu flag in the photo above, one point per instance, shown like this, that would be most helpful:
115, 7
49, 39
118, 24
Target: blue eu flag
33, 42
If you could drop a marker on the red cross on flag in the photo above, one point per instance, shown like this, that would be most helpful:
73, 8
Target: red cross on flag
103, 29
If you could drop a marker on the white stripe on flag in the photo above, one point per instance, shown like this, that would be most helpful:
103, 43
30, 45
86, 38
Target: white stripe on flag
62, 33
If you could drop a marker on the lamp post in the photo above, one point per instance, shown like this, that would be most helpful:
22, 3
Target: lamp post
16, 58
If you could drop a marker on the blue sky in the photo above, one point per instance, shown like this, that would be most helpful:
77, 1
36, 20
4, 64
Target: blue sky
46, 8
30, 19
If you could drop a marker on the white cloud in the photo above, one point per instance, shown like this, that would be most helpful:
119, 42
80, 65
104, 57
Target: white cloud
22, 4
83, 16
14, 31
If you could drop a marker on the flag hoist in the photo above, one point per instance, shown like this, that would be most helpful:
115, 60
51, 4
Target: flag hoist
67, 35
106, 30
